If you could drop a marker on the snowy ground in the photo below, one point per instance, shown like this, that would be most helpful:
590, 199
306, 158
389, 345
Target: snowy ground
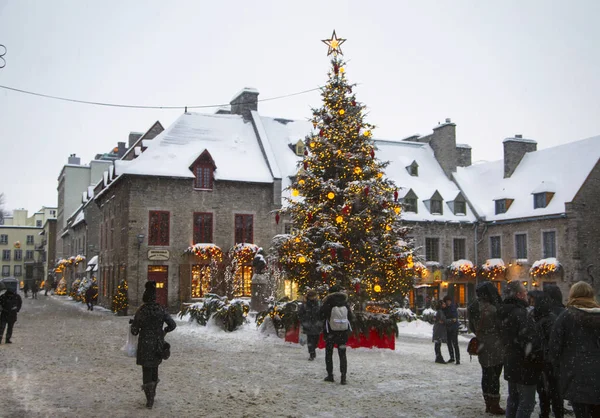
67, 362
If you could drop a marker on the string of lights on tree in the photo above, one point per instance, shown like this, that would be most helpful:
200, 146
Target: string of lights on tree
120, 302
345, 211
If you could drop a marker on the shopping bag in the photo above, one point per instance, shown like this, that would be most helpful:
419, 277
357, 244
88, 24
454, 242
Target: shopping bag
130, 346
302, 338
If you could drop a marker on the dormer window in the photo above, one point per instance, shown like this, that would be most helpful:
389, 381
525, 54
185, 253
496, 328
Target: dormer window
299, 148
203, 169
541, 200
413, 169
460, 208
436, 207
410, 204
502, 205
435, 204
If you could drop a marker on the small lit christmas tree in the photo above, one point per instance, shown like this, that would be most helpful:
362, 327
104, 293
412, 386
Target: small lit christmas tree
120, 302
346, 213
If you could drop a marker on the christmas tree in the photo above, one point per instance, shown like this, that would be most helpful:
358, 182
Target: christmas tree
344, 211
120, 302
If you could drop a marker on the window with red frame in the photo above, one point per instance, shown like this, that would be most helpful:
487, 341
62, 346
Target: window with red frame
203, 227
204, 176
244, 229
158, 230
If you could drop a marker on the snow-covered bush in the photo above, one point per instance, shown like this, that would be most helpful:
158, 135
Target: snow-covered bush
229, 315
403, 314
428, 315
283, 313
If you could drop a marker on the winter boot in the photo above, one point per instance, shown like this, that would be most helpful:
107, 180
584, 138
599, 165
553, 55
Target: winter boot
451, 360
440, 360
150, 391
343, 379
494, 405
329, 378
486, 398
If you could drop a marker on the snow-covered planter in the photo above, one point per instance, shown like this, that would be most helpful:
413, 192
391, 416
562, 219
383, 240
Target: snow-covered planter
205, 251
229, 315
403, 315
493, 269
462, 268
545, 267
384, 324
428, 315
283, 314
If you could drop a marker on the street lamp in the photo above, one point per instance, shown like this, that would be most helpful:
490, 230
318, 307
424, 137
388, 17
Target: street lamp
140, 240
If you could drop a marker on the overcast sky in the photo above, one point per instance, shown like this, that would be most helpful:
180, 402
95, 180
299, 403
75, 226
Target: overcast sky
496, 68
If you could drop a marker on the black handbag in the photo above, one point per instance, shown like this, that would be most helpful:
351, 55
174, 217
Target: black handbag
166, 351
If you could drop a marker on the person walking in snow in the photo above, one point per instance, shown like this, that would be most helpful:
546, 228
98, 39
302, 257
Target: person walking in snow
91, 294
523, 356
337, 315
312, 325
34, 289
483, 321
10, 305
452, 329
439, 332
148, 323
575, 351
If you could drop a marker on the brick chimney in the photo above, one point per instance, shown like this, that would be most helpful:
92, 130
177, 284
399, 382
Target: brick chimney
443, 143
463, 153
245, 101
514, 150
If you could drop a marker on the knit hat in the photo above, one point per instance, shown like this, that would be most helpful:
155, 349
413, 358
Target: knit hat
150, 292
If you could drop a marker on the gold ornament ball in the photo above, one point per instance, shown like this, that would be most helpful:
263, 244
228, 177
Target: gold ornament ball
397, 210
377, 288
357, 170
301, 182
339, 219
330, 195
295, 192
301, 259
341, 112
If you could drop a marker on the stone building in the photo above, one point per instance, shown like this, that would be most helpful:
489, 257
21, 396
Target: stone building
211, 184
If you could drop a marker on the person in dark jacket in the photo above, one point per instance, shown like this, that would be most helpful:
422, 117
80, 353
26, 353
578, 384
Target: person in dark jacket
490, 351
523, 351
440, 335
312, 325
547, 387
10, 303
35, 287
148, 323
556, 298
340, 338
91, 295
452, 326
575, 350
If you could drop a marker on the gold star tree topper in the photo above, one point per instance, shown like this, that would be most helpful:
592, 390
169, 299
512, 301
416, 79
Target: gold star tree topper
334, 44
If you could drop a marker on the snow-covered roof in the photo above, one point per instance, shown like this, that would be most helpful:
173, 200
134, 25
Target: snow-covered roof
430, 178
561, 170
229, 139
80, 218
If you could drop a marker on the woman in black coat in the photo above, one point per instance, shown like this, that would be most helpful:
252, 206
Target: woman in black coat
312, 324
575, 351
148, 323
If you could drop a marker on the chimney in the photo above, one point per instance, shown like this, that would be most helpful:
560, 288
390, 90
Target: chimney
244, 101
463, 155
133, 137
122, 149
514, 150
74, 160
443, 143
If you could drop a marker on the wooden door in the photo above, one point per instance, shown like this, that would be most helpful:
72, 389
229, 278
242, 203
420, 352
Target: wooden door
160, 275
